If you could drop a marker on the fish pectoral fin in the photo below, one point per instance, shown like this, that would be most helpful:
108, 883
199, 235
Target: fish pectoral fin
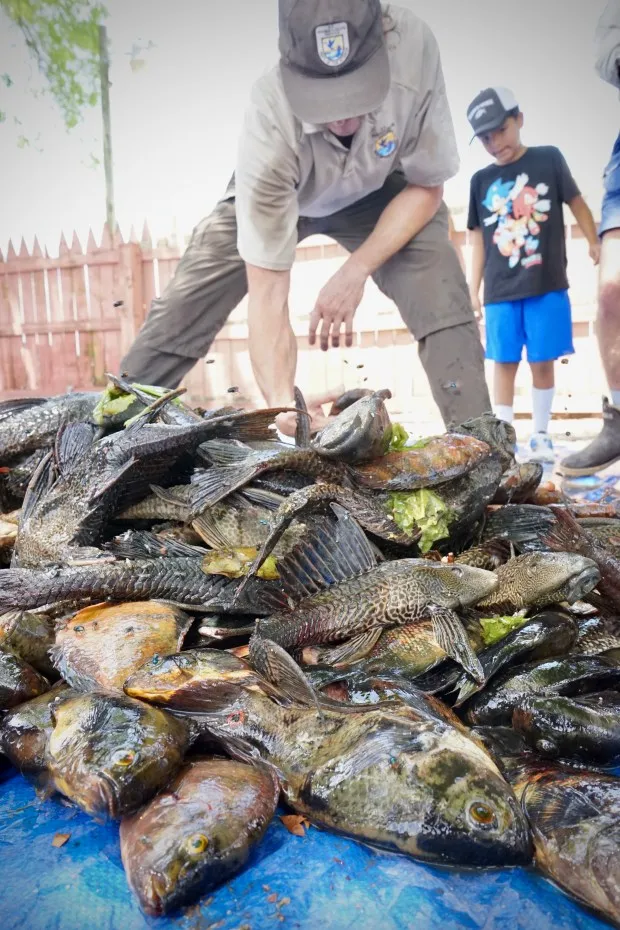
302, 427
209, 532
110, 479
217, 483
452, 637
224, 451
467, 687
40, 483
278, 667
73, 442
353, 649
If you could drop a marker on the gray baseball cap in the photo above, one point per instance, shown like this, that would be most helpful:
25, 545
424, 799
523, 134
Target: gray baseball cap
489, 109
333, 58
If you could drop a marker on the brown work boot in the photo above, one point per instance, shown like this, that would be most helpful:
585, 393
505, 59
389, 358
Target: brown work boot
602, 452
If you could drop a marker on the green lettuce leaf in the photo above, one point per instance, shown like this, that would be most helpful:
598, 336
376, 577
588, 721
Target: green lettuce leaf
423, 509
495, 628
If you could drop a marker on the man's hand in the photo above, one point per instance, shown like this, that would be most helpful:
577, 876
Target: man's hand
336, 304
595, 251
287, 422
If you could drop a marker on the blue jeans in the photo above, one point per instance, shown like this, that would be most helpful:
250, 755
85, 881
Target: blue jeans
610, 210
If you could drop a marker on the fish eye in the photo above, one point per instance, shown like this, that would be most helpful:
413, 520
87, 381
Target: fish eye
456, 570
236, 718
78, 629
124, 757
482, 814
156, 660
196, 844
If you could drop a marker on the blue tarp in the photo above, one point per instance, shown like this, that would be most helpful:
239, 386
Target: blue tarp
320, 882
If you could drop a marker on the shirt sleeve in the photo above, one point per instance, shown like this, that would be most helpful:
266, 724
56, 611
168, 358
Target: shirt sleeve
567, 186
607, 39
266, 176
428, 152
473, 216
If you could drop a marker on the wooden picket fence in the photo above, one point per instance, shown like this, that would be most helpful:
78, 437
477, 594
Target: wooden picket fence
67, 320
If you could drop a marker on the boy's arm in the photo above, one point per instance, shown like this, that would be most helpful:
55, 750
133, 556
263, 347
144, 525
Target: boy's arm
477, 269
582, 213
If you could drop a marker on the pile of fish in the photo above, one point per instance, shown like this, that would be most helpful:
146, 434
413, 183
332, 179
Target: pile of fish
411, 642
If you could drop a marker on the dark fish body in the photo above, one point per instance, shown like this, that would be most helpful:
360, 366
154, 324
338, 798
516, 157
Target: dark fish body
360, 433
179, 581
519, 483
25, 731
35, 427
431, 462
192, 680
607, 532
583, 728
575, 823
565, 676
19, 682
100, 646
392, 594
524, 525
109, 754
28, 636
538, 579
467, 497
345, 400
420, 787
197, 833
15, 483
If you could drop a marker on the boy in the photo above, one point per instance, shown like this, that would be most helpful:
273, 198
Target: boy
517, 224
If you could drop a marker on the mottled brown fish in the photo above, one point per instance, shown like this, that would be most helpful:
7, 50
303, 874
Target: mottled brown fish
25, 730
18, 681
538, 579
197, 833
427, 463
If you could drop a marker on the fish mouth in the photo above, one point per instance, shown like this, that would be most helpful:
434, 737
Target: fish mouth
108, 794
582, 583
154, 895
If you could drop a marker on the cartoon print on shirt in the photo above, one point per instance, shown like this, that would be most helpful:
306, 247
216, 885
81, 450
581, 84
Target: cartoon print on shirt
517, 209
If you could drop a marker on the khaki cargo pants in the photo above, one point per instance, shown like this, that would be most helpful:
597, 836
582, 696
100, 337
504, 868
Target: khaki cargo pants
424, 280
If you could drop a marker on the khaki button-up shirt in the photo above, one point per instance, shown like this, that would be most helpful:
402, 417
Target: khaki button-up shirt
287, 169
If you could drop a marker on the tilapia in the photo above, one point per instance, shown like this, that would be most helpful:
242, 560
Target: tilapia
191, 680
109, 754
428, 463
197, 833
575, 823
18, 681
584, 728
561, 676
25, 730
100, 646
539, 579
420, 787
359, 433
28, 636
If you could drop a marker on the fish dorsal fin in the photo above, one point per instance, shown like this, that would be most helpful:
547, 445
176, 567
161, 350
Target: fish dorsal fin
225, 451
73, 442
141, 544
302, 427
332, 550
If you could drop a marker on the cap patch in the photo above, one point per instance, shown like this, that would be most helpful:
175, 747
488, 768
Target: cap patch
332, 41
480, 110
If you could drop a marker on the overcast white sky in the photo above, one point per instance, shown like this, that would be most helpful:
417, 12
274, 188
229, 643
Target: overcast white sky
175, 121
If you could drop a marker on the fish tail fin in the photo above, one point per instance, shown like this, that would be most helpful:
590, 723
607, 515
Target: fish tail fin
565, 534
278, 667
452, 637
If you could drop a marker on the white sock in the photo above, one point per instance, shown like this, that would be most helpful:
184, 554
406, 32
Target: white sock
542, 401
503, 412
615, 397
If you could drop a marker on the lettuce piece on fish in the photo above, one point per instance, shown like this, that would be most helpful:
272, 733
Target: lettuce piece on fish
398, 439
423, 509
114, 402
496, 628
235, 563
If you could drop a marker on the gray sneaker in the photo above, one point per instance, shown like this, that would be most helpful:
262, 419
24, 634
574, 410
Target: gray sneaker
602, 452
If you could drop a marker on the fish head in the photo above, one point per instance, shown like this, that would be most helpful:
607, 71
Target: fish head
552, 577
475, 817
360, 432
174, 864
188, 680
110, 753
454, 585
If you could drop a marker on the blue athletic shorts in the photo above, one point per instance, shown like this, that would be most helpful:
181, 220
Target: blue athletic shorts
542, 324
610, 210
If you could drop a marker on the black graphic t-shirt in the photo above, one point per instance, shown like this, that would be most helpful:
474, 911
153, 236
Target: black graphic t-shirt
518, 207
